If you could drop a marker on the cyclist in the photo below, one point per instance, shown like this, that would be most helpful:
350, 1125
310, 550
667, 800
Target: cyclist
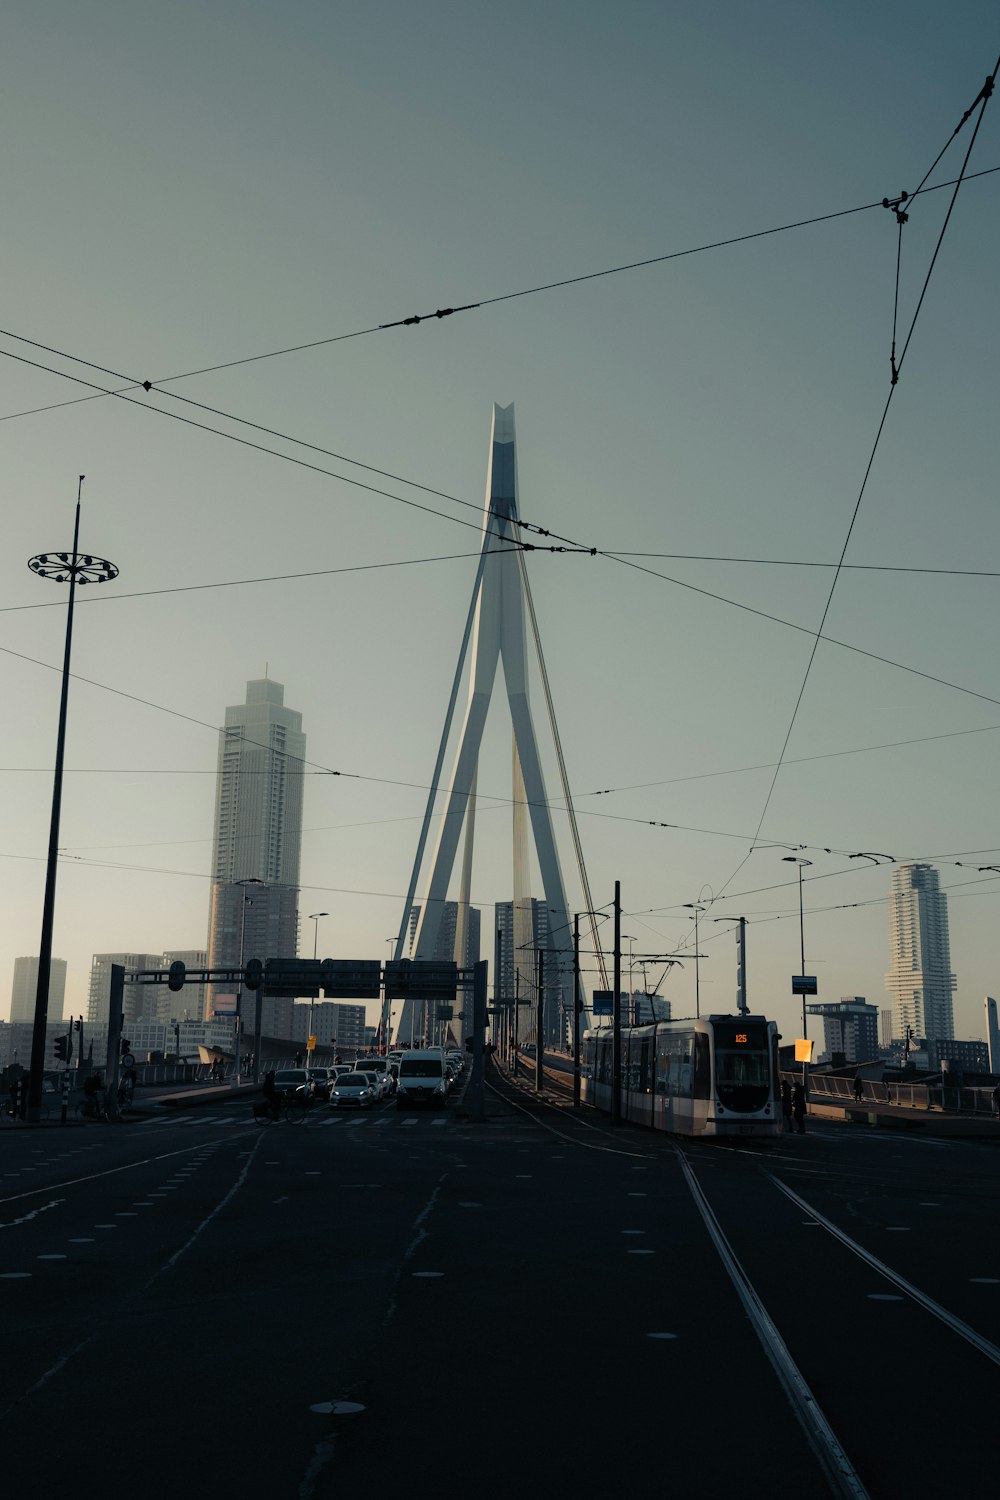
271, 1094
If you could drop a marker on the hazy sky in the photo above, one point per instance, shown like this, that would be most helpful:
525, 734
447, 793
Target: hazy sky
190, 184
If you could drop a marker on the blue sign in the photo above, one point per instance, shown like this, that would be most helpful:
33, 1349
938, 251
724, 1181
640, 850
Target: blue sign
604, 1002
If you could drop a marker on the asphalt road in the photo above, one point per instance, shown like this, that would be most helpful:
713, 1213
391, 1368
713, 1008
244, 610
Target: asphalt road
537, 1304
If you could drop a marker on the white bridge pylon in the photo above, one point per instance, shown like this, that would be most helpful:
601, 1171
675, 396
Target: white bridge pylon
499, 612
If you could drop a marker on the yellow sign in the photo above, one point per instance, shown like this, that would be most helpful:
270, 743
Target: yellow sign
803, 1049
311, 1044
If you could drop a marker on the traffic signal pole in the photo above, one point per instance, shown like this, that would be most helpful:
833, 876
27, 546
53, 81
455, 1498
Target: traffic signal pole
539, 1022
577, 1008
115, 1019
616, 1014
477, 1083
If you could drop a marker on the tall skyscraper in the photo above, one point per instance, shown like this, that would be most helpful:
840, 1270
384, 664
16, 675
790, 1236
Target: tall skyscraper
25, 987
920, 981
258, 831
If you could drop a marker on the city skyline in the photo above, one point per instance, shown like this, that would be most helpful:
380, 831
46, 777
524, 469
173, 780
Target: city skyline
695, 433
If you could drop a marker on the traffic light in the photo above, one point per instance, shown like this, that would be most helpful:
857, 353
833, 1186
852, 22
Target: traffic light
78, 1024
175, 979
61, 1048
126, 1046
253, 974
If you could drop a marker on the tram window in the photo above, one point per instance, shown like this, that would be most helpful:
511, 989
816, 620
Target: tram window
702, 1067
741, 1067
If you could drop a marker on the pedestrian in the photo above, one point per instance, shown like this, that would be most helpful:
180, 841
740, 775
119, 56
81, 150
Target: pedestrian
799, 1108
996, 1101
298, 1059
859, 1087
786, 1103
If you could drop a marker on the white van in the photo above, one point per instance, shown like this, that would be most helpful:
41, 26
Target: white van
422, 1079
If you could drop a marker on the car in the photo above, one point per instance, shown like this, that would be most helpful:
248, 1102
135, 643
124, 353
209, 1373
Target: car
291, 1081
422, 1080
382, 1067
380, 1082
321, 1081
353, 1090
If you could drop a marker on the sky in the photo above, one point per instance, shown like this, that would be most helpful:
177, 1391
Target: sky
195, 184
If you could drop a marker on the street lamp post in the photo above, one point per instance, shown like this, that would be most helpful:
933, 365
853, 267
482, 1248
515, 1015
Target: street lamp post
795, 859
237, 1024
314, 917
696, 907
74, 568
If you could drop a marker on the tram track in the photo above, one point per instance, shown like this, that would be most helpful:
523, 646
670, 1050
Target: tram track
728, 1206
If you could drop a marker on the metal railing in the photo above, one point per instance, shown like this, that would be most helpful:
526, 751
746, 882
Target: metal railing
917, 1096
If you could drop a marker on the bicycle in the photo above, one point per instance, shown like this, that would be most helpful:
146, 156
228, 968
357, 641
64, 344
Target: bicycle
90, 1109
293, 1113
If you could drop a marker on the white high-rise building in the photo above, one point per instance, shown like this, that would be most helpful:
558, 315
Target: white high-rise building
258, 831
25, 988
920, 981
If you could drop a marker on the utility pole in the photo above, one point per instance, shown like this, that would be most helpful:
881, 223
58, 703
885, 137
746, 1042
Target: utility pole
477, 1088
741, 966
115, 1019
517, 1017
77, 568
577, 1007
497, 1013
539, 1014
616, 1014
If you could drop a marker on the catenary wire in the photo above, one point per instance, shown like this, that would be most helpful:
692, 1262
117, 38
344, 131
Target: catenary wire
482, 302
232, 583
897, 368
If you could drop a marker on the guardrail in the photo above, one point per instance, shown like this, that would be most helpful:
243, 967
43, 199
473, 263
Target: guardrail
943, 1097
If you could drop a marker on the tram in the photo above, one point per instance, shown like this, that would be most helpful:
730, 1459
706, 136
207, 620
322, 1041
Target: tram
717, 1076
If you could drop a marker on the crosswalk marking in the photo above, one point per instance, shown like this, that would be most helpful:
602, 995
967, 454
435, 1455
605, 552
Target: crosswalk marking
363, 1119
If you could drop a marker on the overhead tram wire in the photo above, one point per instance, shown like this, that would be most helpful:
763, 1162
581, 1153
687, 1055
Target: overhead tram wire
982, 99
232, 583
391, 781
793, 562
555, 806
232, 437
441, 313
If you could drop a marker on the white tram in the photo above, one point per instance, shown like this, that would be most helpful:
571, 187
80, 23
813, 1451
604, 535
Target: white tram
714, 1077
